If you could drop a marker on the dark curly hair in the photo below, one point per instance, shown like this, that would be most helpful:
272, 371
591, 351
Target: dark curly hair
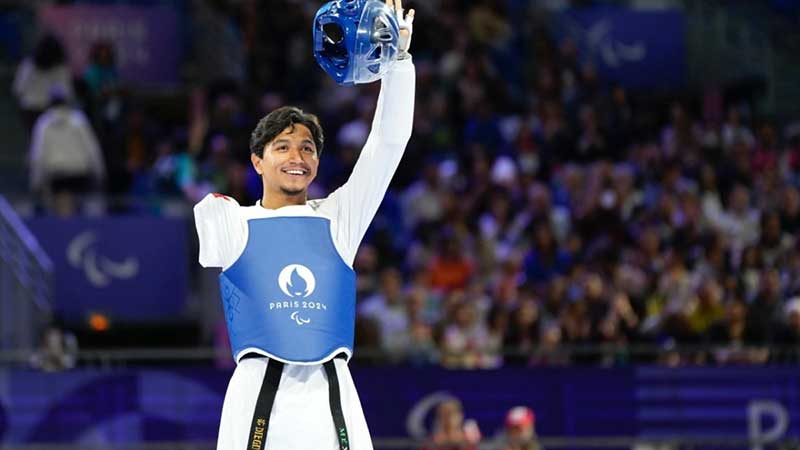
274, 123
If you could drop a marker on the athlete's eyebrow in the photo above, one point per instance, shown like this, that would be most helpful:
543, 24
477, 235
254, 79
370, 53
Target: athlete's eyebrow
287, 141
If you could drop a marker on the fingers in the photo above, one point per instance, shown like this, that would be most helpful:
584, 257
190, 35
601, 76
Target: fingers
398, 5
410, 16
390, 3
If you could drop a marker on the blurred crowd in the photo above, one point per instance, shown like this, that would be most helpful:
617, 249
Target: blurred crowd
539, 208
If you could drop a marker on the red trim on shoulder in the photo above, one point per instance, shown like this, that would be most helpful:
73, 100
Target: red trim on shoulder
220, 196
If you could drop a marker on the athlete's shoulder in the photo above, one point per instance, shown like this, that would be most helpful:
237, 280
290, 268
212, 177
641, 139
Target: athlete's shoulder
216, 198
316, 203
324, 206
215, 203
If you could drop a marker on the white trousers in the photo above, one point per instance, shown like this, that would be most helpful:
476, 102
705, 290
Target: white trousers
301, 415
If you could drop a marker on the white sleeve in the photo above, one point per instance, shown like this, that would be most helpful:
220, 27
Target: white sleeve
355, 203
220, 229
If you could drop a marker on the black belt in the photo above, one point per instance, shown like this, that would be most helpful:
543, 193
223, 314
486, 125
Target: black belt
336, 405
266, 398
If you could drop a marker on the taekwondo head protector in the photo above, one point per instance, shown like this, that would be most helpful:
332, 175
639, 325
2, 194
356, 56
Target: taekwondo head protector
355, 41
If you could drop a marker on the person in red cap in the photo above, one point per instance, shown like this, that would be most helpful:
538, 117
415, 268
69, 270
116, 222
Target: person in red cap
520, 430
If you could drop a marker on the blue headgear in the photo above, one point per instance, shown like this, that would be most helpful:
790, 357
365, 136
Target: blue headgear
355, 41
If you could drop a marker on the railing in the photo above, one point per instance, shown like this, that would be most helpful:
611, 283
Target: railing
26, 283
602, 355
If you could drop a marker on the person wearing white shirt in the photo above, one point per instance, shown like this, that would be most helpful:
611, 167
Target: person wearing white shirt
287, 282
65, 156
39, 75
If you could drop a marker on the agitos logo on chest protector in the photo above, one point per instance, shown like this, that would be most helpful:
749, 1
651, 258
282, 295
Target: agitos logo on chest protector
355, 41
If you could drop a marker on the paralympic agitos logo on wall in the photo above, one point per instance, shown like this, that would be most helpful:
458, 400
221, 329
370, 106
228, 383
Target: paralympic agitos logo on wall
297, 282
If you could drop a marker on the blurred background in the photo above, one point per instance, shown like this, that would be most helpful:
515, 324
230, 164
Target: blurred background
591, 242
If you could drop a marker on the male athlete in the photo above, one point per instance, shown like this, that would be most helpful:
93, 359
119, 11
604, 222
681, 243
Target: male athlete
288, 286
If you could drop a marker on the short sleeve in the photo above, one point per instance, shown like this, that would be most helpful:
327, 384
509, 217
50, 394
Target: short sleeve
220, 229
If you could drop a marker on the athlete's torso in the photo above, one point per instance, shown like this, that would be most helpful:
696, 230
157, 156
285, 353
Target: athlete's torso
290, 295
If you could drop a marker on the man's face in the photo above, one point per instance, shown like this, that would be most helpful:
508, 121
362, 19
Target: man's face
289, 163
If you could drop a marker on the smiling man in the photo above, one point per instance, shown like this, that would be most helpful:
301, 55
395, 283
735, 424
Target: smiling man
285, 149
287, 282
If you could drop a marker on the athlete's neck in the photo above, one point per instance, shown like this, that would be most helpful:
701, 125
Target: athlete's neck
279, 201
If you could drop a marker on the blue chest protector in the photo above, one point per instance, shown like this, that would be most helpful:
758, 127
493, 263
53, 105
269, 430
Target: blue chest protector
290, 294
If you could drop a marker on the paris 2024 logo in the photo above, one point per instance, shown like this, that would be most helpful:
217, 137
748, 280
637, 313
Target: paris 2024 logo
297, 282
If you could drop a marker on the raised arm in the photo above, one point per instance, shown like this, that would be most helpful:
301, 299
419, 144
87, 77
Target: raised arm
356, 202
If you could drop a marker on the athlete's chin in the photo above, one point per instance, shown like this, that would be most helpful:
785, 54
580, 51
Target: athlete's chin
293, 191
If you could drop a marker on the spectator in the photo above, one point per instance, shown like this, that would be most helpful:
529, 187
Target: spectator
628, 318
790, 209
734, 131
367, 271
214, 173
450, 268
519, 432
550, 352
66, 160
739, 221
388, 308
729, 336
546, 259
414, 343
497, 320
102, 81
58, 350
765, 311
466, 342
775, 243
706, 308
788, 335
451, 431
523, 332
173, 172
575, 323
41, 74
423, 201
681, 134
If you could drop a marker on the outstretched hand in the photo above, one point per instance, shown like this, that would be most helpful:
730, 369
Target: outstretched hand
406, 22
